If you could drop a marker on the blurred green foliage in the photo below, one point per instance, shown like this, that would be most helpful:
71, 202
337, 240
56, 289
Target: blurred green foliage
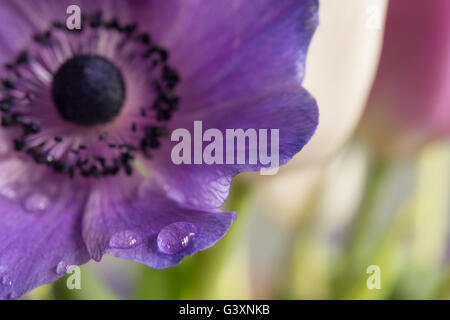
410, 246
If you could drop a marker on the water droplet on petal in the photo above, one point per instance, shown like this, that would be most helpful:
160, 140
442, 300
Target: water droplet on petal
4, 278
37, 203
6, 281
176, 237
125, 240
8, 193
61, 268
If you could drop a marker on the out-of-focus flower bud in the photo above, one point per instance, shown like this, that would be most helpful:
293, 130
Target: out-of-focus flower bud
410, 101
341, 65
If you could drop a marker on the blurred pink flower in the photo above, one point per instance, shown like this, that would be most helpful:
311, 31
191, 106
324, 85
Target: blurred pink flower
410, 101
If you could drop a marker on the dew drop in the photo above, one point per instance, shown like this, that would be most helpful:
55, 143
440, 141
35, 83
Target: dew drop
61, 268
125, 240
8, 193
37, 203
4, 278
6, 281
175, 237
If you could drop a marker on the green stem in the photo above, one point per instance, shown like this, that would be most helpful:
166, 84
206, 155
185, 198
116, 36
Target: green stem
362, 241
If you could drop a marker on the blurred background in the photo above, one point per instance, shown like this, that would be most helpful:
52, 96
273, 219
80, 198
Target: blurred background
363, 211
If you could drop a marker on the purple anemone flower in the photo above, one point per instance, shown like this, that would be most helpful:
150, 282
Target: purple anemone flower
85, 166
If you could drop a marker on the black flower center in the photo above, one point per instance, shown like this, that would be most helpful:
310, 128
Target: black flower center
88, 90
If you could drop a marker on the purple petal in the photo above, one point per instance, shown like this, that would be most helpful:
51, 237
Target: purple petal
21, 19
293, 112
241, 66
229, 50
15, 29
152, 230
40, 228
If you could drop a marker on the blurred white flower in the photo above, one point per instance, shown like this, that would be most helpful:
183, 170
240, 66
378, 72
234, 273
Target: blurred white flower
341, 66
